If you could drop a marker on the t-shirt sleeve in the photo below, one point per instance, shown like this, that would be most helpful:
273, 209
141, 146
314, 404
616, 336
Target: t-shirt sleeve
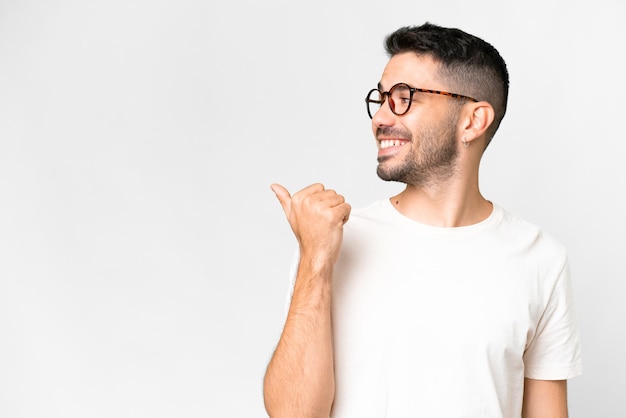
554, 353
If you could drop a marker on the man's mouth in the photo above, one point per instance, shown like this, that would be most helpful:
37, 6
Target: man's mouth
389, 143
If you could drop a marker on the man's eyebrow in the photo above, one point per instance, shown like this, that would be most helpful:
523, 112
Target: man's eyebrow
380, 86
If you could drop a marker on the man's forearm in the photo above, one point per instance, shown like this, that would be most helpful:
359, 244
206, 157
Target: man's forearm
299, 381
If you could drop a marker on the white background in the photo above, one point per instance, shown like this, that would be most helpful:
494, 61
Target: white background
143, 257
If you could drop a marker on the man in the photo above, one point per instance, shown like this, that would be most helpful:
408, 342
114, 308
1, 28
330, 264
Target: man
436, 302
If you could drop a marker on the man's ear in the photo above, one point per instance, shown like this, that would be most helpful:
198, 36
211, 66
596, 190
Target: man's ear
478, 117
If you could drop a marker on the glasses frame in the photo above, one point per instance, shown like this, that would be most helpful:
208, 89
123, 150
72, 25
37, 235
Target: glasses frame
387, 95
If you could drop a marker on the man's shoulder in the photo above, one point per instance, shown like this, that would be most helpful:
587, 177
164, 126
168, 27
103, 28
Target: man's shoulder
372, 216
374, 209
520, 229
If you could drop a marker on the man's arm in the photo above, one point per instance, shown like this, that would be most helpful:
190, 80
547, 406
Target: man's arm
300, 381
545, 399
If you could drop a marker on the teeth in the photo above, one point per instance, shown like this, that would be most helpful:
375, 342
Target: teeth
386, 143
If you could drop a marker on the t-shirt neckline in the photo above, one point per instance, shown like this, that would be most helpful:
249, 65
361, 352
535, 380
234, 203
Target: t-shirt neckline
490, 222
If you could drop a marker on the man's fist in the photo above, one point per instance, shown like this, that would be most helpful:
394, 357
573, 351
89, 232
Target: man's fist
316, 216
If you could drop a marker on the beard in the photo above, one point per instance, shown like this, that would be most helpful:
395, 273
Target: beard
431, 158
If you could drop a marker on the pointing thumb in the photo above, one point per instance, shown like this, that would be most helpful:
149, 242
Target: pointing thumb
283, 197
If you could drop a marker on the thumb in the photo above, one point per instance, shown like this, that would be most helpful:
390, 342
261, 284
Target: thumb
283, 197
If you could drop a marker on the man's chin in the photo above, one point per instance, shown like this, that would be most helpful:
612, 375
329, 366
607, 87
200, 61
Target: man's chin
386, 174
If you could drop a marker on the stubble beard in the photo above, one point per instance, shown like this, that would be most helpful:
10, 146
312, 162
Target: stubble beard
431, 159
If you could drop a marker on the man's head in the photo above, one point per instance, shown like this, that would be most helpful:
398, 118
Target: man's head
441, 91
469, 65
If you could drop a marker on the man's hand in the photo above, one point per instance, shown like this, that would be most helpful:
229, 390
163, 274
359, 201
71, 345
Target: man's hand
316, 216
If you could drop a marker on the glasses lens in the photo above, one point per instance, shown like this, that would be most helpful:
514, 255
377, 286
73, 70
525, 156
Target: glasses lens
374, 101
400, 98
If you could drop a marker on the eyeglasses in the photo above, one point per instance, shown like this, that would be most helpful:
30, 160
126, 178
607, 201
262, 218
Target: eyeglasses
400, 98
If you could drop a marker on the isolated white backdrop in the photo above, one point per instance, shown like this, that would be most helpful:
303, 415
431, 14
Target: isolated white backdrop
143, 258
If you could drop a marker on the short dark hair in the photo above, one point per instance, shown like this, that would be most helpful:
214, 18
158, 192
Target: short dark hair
472, 66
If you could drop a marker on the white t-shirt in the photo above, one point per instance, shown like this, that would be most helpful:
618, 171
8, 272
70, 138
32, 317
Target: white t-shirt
447, 322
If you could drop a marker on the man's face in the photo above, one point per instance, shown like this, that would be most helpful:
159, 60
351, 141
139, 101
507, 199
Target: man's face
419, 147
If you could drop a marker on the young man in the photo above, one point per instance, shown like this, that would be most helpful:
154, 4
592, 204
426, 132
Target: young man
435, 302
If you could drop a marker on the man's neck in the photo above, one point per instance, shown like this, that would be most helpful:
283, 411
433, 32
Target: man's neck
451, 204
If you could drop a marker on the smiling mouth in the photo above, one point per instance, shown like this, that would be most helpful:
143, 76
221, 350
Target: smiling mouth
389, 143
